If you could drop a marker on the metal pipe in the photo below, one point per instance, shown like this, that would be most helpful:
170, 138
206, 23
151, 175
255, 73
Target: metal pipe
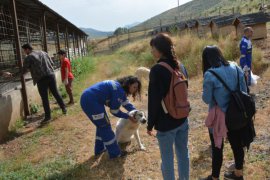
19, 56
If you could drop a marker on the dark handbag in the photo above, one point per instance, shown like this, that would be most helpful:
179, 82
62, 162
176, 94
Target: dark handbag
241, 109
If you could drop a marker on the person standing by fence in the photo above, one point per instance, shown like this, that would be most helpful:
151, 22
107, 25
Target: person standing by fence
42, 72
66, 74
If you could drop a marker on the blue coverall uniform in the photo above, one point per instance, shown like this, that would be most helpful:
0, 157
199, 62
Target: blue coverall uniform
93, 101
246, 57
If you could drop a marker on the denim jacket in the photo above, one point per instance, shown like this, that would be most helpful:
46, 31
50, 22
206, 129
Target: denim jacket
213, 90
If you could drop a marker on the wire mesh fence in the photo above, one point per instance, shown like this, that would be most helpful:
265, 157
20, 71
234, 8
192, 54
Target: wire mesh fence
31, 30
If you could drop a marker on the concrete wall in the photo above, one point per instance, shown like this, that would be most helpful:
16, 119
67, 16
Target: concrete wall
11, 105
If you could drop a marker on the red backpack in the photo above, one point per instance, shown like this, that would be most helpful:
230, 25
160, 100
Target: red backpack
176, 101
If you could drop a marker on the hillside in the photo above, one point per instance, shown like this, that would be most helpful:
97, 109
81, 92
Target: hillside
93, 33
200, 8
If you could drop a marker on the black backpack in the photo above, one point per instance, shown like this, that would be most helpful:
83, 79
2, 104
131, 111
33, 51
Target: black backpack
241, 107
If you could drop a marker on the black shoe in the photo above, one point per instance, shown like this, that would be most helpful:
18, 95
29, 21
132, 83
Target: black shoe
101, 152
122, 154
45, 120
232, 176
64, 111
207, 178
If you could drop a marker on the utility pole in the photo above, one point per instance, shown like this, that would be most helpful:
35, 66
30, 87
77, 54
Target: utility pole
178, 9
160, 24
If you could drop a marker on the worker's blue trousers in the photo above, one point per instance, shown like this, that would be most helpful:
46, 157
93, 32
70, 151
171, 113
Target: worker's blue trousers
105, 137
246, 62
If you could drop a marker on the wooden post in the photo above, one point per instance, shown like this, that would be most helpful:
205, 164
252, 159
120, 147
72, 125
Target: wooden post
27, 29
128, 36
160, 24
77, 40
85, 45
19, 56
45, 46
57, 37
74, 46
67, 42
80, 44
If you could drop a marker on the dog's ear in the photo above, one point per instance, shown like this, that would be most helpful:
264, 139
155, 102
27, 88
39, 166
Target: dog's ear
135, 113
142, 111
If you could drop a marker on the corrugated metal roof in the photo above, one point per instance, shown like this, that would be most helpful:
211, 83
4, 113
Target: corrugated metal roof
255, 18
182, 25
35, 8
225, 20
191, 23
205, 21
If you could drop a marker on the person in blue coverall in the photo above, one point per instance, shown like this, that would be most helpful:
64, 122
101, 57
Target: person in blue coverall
246, 53
113, 94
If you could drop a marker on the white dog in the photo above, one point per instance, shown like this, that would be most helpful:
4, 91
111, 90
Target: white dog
142, 73
125, 129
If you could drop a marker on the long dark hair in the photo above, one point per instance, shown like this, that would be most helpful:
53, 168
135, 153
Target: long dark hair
164, 44
212, 58
127, 81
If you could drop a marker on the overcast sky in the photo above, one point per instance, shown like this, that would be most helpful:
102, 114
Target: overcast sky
107, 15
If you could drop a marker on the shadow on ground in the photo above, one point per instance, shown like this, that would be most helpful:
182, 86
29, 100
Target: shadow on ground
100, 167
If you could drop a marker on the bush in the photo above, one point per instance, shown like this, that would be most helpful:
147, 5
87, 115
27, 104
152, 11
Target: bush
82, 66
34, 108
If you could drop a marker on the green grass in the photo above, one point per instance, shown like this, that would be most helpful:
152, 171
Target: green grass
49, 169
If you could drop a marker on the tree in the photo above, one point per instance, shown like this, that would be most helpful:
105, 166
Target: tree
120, 30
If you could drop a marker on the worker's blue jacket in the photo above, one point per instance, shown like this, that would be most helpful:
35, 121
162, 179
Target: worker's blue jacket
246, 52
111, 94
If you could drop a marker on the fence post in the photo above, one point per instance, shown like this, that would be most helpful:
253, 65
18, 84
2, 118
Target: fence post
57, 37
67, 42
19, 57
78, 46
128, 36
44, 32
74, 46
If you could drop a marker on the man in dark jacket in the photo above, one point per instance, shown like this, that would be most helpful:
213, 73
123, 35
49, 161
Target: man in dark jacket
41, 67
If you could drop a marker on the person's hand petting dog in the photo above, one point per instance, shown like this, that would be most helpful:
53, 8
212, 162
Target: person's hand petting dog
151, 133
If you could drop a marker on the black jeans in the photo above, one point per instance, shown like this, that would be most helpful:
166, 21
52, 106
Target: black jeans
234, 138
217, 157
43, 85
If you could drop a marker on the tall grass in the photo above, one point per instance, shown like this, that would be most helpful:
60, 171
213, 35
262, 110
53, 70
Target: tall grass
189, 50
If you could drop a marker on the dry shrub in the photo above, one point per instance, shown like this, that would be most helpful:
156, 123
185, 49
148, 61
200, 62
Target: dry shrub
188, 49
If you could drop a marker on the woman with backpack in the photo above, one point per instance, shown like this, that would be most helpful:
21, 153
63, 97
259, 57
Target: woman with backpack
216, 95
171, 130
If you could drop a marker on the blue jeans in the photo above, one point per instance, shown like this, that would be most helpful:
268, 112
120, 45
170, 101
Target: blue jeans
166, 140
